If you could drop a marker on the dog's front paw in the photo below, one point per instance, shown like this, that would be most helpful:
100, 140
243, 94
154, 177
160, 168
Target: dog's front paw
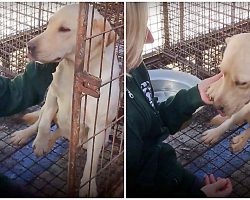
85, 191
40, 146
238, 143
19, 138
210, 137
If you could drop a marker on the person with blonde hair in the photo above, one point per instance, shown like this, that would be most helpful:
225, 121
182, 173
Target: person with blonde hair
152, 166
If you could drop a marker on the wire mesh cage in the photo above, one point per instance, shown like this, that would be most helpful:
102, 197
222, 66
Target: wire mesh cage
190, 37
48, 175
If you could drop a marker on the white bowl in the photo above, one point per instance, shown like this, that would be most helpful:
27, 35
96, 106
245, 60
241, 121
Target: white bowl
167, 83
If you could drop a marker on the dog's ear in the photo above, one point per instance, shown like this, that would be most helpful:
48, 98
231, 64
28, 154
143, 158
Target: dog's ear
110, 38
98, 27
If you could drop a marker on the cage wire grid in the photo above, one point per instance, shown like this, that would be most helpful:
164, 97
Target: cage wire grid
77, 100
47, 176
190, 37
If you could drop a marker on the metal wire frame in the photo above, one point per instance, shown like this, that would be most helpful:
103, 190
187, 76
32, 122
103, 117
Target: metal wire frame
77, 101
194, 33
114, 151
193, 42
47, 176
155, 23
201, 159
19, 22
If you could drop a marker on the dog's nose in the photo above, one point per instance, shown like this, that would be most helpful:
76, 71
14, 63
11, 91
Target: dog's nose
31, 47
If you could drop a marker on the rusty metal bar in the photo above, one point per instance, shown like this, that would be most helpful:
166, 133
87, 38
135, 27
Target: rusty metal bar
107, 31
198, 44
233, 13
114, 134
181, 21
40, 14
99, 132
166, 24
76, 101
12, 61
97, 103
103, 168
114, 54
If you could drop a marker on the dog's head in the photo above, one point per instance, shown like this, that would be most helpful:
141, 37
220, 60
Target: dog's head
58, 41
233, 91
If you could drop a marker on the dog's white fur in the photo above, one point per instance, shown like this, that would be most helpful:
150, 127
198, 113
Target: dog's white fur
54, 45
232, 91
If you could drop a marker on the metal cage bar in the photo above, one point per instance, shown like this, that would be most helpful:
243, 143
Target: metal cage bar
47, 176
76, 105
192, 41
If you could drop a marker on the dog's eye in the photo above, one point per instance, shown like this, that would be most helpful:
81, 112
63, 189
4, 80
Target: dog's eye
64, 29
240, 83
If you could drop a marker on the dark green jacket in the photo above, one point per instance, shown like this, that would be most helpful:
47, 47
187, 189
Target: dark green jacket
25, 90
152, 167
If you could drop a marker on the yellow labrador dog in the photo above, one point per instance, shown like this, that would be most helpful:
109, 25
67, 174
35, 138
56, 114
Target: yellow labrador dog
231, 93
58, 43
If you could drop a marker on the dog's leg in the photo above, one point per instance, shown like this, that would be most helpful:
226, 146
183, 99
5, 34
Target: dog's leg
83, 136
31, 118
21, 137
211, 136
41, 143
91, 152
53, 137
218, 120
106, 139
240, 141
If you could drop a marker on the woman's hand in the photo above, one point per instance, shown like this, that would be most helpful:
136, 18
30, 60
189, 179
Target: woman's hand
204, 85
220, 188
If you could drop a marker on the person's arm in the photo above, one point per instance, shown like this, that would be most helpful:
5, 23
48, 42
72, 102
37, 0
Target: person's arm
25, 90
179, 108
134, 151
192, 185
9, 189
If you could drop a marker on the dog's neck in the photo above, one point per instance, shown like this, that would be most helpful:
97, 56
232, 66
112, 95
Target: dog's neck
70, 58
95, 53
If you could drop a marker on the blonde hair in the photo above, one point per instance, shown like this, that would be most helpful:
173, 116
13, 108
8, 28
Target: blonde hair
136, 23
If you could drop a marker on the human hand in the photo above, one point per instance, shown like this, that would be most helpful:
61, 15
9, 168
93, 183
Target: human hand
220, 188
204, 85
209, 179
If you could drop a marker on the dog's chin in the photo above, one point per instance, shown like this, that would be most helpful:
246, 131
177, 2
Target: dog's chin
42, 60
58, 59
230, 112
30, 57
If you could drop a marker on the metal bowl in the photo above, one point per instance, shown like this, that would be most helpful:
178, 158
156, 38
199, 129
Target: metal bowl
167, 83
